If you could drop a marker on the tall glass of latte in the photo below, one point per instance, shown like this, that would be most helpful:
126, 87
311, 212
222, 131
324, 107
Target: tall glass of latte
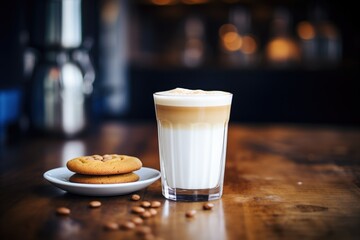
192, 134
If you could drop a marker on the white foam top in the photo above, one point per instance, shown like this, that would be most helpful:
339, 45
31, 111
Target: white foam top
197, 98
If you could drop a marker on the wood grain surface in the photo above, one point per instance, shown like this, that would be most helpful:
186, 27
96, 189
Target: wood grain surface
281, 182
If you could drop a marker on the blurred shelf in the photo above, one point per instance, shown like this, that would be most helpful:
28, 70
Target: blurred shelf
327, 96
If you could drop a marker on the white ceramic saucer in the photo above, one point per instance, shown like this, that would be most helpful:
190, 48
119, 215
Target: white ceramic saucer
59, 177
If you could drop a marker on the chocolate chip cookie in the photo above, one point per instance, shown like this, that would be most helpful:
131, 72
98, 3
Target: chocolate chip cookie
108, 164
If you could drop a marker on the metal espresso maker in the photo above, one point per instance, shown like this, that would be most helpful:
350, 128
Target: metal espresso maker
63, 75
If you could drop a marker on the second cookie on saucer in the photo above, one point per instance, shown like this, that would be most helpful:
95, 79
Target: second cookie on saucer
104, 179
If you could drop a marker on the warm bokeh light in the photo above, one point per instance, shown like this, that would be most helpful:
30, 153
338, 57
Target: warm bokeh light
282, 50
249, 44
226, 28
110, 12
232, 41
229, 37
163, 2
306, 30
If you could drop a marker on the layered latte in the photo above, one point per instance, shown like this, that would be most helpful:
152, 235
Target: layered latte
192, 131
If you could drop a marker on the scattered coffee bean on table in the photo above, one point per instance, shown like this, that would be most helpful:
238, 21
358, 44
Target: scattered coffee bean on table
128, 225
190, 213
145, 204
208, 206
155, 204
137, 209
111, 226
135, 197
64, 211
146, 214
137, 220
94, 204
153, 211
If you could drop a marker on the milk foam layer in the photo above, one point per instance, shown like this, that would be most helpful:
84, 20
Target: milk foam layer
186, 97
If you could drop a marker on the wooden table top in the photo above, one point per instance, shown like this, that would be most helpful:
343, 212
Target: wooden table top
281, 182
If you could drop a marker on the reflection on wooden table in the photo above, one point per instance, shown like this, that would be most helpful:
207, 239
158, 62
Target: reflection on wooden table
281, 182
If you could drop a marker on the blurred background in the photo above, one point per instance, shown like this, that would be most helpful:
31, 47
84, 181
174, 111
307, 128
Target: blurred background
69, 64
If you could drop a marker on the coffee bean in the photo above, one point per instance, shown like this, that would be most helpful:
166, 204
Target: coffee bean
145, 204
137, 220
155, 204
137, 209
63, 211
146, 214
127, 225
111, 226
208, 206
94, 204
190, 213
135, 197
152, 211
